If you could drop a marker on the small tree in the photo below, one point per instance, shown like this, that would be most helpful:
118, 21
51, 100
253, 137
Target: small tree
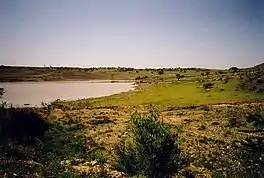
207, 73
179, 76
150, 150
208, 85
161, 72
233, 69
202, 74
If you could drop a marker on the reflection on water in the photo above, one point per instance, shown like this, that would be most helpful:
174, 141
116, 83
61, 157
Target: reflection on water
33, 93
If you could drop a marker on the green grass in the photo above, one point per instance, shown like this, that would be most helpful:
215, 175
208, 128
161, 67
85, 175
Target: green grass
179, 93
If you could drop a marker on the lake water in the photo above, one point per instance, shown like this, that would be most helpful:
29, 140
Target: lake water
34, 93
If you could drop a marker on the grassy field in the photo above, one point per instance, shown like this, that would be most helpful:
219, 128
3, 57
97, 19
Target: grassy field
212, 123
195, 113
175, 93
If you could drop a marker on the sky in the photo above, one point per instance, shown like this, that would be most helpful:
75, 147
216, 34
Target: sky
132, 33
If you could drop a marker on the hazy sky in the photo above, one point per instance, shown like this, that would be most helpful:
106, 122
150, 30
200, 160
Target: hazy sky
136, 33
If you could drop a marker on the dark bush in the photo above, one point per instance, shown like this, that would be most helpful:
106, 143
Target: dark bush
151, 149
215, 123
235, 122
250, 154
141, 78
1, 92
179, 76
22, 125
233, 69
31, 146
161, 72
226, 80
100, 120
202, 127
257, 120
236, 118
208, 85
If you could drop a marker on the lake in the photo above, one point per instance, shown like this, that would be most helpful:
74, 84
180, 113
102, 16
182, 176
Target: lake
34, 93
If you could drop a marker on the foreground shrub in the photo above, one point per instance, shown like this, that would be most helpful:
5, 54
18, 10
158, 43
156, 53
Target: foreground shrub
30, 145
257, 119
151, 149
22, 125
250, 154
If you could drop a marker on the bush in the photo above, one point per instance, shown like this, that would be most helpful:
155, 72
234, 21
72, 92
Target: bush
1, 92
151, 149
22, 125
226, 80
250, 154
179, 76
100, 120
161, 72
30, 145
62, 137
141, 78
208, 85
233, 69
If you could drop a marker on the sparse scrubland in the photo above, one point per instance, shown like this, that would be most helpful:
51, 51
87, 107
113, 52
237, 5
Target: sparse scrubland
176, 123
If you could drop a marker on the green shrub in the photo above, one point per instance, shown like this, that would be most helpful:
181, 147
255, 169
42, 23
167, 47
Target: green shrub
151, 149
62, 137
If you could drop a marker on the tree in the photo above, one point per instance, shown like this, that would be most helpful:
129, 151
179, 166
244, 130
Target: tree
161, 72
150, 150
179, 76
233, 69
207, 73
202, 74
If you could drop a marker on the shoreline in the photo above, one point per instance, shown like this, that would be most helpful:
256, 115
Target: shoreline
79, 80
131, 87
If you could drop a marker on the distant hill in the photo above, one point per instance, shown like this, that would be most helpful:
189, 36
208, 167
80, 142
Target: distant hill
253, 79
260, 66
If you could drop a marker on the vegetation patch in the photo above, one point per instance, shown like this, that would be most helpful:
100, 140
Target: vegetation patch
30, 145
207, 127
100, 120
253, 79
151, 150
